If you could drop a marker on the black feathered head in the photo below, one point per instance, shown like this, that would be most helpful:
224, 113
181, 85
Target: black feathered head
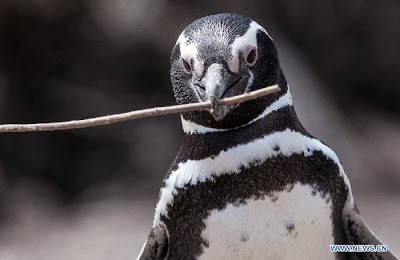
220, 56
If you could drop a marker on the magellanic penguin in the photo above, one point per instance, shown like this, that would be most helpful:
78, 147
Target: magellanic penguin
249, 182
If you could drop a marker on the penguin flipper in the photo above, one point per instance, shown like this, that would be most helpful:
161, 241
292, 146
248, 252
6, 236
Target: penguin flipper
156, 245
358, 233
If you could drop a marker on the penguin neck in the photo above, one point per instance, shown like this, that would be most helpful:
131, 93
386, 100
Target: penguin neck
200, 142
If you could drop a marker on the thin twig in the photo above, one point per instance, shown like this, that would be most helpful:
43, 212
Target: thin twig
150, 112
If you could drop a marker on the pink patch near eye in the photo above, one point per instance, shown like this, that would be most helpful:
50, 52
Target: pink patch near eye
233, 64
198, 68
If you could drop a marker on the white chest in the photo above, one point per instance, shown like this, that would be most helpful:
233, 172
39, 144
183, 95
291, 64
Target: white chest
295, 226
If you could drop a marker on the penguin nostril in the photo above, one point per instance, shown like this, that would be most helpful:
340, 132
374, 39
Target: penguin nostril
201, 87
197, 83
186, 66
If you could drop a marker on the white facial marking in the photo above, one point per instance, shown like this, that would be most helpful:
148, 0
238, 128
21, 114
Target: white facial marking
233, 159
190, 52
187, 50
249, 39
295, 226
193, 128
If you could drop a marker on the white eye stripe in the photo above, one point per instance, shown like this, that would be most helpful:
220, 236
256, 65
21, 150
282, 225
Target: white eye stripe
189, 53
241, 43
187, 50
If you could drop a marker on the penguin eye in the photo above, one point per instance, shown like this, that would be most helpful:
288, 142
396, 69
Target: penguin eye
251, 56
186, 66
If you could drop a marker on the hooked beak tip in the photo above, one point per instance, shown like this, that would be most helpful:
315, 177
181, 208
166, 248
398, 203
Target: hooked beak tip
218, 112
214, 101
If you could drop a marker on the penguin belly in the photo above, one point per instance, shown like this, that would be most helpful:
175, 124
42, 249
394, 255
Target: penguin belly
291, 224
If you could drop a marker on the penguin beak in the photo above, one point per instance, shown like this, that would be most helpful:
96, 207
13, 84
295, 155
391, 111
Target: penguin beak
216, 82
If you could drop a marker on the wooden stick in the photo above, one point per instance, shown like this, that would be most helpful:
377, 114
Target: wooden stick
150, 112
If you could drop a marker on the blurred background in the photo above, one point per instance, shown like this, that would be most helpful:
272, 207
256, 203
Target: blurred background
90, 194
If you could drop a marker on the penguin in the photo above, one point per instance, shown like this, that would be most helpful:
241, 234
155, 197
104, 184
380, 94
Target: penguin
249, 182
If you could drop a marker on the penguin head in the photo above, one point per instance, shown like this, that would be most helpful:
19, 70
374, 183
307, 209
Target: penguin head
220, 56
